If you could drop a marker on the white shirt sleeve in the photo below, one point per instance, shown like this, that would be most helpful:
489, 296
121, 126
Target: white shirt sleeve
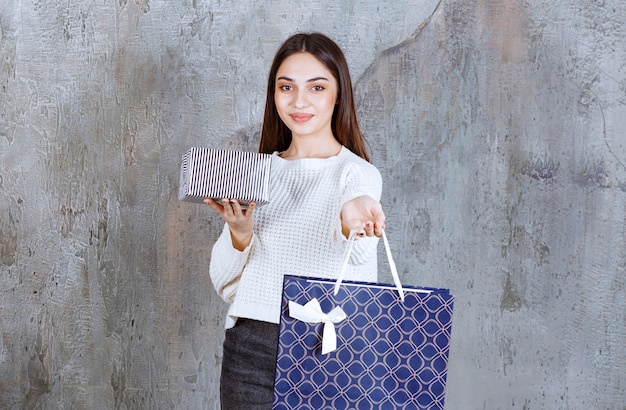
227, 264
362, 178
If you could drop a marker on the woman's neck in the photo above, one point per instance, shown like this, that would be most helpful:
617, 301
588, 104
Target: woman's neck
299, 149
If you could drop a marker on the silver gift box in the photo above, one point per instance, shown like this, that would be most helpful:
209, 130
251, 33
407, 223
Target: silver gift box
215, 173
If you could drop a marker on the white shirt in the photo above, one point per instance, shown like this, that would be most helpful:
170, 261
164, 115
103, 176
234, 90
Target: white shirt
297, 233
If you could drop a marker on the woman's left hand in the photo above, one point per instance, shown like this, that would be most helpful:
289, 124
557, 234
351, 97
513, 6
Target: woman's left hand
365, 214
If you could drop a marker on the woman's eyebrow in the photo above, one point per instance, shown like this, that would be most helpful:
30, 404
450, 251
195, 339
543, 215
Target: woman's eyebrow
317, 79
284, 78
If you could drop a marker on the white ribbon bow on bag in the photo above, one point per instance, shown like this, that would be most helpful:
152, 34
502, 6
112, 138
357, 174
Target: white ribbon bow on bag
312, 312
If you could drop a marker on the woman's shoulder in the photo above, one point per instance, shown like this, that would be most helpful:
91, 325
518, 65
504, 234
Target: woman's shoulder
359, 176
350, 157
357, 170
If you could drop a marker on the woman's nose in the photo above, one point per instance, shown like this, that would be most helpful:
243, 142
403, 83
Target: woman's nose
301, 99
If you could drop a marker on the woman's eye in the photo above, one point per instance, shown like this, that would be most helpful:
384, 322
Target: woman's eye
317, 88
285, 87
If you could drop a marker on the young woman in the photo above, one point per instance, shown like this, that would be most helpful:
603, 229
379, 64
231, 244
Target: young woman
322, 188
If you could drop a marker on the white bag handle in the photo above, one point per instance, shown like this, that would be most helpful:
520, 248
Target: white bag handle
392, 265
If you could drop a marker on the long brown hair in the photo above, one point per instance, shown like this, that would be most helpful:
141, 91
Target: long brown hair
275, 136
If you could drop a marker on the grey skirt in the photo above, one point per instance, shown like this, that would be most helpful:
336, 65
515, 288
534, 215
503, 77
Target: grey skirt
247, 378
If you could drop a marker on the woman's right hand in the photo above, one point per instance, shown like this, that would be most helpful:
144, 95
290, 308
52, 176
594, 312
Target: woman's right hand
240, 221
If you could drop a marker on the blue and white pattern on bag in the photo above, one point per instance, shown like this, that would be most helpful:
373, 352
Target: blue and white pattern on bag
390, 354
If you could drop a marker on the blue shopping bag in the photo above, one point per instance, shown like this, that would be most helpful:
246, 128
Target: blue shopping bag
356, 345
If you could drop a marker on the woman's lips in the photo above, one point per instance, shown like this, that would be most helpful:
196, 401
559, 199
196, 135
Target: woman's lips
301, 117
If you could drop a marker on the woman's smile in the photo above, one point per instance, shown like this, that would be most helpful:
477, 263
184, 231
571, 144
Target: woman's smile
298, 117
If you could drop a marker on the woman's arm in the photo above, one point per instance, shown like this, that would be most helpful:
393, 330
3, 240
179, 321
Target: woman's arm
227, 264
230, 253
361, 209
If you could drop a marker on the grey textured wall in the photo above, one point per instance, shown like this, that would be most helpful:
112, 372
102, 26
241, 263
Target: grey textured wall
498, 127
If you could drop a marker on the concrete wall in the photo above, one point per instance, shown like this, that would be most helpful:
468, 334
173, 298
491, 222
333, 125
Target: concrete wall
498, 127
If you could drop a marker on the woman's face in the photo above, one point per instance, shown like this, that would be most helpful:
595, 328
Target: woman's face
305, 96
